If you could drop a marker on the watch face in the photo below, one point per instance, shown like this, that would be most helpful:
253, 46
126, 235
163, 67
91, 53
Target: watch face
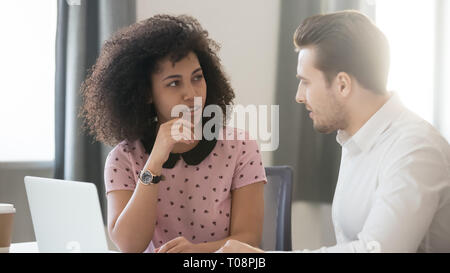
147, 177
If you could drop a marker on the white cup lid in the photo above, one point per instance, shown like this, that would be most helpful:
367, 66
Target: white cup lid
7, 208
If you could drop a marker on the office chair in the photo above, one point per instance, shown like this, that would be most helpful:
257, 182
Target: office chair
277, 209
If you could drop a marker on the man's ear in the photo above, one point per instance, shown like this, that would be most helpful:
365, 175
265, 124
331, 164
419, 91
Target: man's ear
344, 83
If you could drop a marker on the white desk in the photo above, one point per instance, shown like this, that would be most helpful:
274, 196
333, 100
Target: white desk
30, 247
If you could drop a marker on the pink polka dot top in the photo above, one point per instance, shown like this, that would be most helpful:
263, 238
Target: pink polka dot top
194, 200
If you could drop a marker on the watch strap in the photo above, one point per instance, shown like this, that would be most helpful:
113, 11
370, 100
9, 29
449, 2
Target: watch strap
156, 179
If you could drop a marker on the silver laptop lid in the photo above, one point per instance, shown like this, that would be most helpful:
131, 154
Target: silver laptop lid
66, 215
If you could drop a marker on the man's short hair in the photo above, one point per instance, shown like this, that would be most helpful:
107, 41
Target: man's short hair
347, 41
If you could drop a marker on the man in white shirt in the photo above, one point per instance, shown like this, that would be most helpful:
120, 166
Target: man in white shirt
393, 189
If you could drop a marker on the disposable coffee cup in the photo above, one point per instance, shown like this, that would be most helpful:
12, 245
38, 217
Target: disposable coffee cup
7, 212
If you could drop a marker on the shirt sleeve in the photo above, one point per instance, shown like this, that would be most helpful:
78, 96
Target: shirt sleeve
118, 171
408, 195
249, 168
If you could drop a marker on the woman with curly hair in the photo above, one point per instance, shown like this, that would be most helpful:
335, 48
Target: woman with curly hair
166, 191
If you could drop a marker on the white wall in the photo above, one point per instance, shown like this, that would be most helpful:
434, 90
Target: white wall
248, 33
312, 227
12, 190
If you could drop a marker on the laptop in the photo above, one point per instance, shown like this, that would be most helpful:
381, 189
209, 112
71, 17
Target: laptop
66, 215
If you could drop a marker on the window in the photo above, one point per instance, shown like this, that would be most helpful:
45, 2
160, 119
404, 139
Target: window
410, 28
27, 69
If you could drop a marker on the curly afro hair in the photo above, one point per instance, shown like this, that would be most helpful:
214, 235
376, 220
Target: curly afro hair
118, 86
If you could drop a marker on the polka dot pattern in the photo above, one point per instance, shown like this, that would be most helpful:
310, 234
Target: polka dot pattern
193, 201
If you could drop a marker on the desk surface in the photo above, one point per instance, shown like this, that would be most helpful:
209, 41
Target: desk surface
29, 247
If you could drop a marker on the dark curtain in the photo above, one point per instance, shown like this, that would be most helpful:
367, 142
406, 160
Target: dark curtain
82, 27
314, 157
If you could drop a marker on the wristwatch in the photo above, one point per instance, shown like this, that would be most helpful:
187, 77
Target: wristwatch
147, 177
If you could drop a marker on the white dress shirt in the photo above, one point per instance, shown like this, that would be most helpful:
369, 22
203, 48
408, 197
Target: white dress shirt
393, 189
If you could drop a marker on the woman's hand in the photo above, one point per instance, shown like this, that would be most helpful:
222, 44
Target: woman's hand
170, 133
178, 245
234, 246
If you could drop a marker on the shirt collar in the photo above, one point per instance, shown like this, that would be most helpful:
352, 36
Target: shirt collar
366, 136
191, 157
